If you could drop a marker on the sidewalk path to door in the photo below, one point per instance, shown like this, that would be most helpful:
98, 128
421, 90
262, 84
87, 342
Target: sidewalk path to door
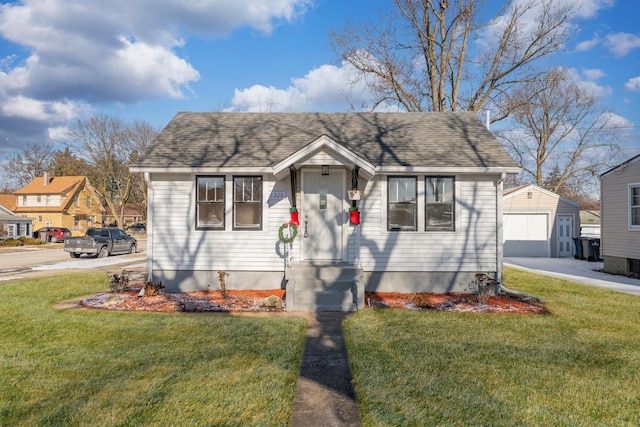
325, 395
576, 270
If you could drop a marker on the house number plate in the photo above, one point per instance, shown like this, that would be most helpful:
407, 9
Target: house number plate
278, 195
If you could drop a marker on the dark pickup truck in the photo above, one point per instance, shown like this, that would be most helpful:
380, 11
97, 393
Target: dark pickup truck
101, 242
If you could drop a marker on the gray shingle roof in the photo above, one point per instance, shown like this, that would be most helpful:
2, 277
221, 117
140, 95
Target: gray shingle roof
200, 140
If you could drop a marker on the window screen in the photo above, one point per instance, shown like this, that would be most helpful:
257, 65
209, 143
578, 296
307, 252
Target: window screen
210, 202
401, 209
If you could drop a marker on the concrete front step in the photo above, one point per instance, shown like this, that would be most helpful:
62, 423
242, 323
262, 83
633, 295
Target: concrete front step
323, 288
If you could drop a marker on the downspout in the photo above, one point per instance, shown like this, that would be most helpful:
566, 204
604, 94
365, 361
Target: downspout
500, 247
150, 204
499, 227
293, 173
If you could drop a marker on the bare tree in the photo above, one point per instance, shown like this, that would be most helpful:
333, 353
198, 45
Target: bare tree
428, 56
141, 135
563, 138
33, 161
109, 145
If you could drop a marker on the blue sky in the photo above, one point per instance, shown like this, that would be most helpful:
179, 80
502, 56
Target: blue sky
62, 60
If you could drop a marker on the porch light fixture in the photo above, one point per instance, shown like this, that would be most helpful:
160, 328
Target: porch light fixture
529, 195
325, 169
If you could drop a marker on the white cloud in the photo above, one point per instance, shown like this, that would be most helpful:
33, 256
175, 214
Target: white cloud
614, 121
531, 12
587, 44
589, 85
323, 88
593, 74
620, 44
633, 84
30, 109
82, 52
589, 8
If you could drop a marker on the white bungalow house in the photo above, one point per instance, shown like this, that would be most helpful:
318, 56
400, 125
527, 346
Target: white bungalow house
387, 202
620, 217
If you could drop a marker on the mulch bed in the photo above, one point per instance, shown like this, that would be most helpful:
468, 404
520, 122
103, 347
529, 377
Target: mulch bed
263, 301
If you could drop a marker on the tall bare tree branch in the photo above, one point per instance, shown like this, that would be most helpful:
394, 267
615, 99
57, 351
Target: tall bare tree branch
110, 145
420, 58
564, 139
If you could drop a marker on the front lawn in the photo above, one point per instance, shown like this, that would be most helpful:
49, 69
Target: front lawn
579, 365
100, 368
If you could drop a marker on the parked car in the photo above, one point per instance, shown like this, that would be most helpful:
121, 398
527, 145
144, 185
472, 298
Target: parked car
52, 234
101, 242
137, 228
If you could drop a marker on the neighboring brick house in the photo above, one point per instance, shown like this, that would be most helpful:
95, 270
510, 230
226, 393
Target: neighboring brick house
133, 214
61, 201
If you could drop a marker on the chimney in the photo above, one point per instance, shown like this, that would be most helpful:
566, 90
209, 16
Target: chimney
45, 178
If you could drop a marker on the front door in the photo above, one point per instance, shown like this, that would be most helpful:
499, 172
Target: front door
565, 235
323, 215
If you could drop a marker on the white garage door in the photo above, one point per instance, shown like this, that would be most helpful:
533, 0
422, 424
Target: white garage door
526, 235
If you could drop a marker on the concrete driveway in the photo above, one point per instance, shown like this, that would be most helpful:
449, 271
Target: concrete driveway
577, 271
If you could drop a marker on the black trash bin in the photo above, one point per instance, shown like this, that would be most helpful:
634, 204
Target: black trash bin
590, 248
595, 245
578, 244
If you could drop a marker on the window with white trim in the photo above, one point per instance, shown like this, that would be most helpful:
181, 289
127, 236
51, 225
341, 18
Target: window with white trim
401, 203
210, 202
247, 203
634, 206
439, 203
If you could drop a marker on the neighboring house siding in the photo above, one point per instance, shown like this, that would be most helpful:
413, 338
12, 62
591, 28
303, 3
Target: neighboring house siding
618, 240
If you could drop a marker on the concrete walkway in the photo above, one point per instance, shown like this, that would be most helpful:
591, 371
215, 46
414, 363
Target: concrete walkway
576, 271
325, 395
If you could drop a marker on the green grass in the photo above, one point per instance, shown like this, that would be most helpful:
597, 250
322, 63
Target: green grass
578, 366
101, 368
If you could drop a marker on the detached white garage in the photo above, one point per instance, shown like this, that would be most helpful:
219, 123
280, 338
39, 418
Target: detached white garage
538, 223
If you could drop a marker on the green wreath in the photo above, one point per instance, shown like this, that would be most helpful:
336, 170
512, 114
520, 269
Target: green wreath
293, 235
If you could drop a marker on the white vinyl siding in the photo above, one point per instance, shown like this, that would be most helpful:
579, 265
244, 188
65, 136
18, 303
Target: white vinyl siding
471, 247
177, 245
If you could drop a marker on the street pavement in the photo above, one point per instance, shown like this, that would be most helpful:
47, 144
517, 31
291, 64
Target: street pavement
26, 263
589, 273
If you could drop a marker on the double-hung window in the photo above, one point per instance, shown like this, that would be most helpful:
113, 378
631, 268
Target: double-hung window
634, 206
210, 202
401, 210
439, 203
247, 203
